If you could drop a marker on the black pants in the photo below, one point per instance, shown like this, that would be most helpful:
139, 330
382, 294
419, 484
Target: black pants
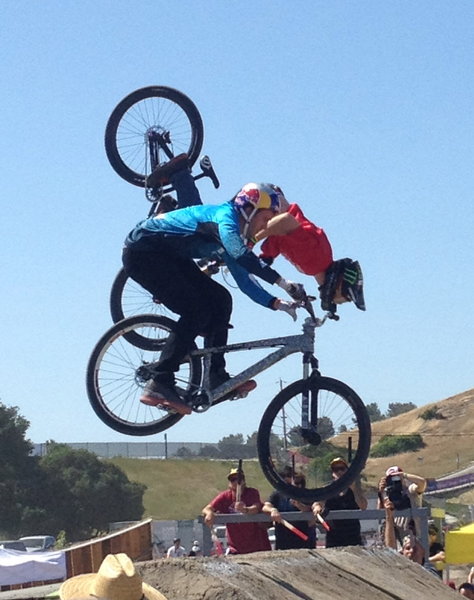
204, 305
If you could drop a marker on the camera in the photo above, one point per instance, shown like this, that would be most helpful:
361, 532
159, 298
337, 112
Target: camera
396, 493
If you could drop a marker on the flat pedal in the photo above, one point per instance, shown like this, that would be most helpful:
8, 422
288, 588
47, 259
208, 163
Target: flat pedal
208, 170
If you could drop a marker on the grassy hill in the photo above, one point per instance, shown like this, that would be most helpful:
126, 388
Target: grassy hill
449, 440
178, 489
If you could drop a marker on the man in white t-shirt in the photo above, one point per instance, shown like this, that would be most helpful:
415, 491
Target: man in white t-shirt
176, 550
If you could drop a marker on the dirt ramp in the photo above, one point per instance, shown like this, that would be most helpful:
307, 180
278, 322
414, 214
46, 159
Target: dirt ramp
332, 574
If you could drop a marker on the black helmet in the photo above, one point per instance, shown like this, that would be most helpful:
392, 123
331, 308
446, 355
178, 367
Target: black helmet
348, 273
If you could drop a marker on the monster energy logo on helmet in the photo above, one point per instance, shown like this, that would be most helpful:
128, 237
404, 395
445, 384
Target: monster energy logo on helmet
347, 274
351, 275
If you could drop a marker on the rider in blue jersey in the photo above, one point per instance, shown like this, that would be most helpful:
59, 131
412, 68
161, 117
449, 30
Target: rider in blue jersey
159, 255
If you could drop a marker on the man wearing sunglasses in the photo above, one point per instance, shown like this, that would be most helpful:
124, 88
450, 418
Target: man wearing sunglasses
242, 538
343, 532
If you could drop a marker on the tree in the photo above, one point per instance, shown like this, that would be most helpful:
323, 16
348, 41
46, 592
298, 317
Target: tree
294, 437
374, 412
231, 446
325, 427
86, 494
209, 451
184, 452
398, 408
389, 445
18, 470
251, 445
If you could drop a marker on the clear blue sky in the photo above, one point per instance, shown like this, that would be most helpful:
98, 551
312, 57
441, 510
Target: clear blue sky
361, 111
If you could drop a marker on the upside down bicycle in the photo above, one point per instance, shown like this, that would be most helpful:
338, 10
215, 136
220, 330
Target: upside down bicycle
148, 127
308, 418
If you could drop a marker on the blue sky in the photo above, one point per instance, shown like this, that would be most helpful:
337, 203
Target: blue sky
360, 111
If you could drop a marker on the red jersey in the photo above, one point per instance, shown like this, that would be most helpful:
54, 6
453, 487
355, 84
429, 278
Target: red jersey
306, 247
244, 538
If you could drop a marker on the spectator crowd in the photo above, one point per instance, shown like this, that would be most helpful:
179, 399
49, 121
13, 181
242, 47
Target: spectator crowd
397, 491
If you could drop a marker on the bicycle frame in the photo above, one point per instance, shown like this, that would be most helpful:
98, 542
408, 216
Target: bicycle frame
291, 344
156, 141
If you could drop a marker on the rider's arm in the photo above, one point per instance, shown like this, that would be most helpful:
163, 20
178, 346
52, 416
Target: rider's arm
281, 224
248, 285
229, 233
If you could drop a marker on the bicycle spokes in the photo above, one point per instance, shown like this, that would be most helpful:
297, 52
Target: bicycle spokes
307, 425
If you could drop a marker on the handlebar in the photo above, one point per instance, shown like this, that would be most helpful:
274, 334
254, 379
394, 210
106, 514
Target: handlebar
307, 305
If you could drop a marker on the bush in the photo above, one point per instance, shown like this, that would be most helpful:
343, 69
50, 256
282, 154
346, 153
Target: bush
395, 444
431, 413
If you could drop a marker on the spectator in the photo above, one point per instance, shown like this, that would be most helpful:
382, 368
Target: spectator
343, 532
176, 550
195, 549
285, 539
411, 547
405, 491
242, 538
466, 589
436, 551
116, 579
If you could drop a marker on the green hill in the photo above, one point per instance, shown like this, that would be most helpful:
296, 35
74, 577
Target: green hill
180, 488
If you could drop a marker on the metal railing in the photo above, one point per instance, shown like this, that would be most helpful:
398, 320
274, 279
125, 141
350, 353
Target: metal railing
420, 514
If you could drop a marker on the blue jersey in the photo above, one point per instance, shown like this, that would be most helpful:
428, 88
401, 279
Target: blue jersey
207, 231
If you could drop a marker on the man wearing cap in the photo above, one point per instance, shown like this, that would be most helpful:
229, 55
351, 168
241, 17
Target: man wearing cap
196, 549
242, 538
343, 532
277, 503
176, 550
404, 490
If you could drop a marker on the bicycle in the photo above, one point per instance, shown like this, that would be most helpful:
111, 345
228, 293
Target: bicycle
148, 127
302, 417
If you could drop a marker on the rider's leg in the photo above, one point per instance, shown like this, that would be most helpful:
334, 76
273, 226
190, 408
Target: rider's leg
203, 304
186, 189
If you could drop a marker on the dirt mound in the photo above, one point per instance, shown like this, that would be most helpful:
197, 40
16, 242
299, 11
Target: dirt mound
342, 573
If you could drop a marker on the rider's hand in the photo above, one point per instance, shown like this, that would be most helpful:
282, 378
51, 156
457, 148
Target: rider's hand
295, 290
288, 307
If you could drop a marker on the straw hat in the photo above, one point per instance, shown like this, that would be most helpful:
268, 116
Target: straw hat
115, 580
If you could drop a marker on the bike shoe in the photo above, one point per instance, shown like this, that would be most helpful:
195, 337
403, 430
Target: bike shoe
160, 176
156, 394
217, 378
243, 390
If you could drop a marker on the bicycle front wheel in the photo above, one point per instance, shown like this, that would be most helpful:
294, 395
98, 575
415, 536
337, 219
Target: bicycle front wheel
128, 299
151, 110
117, 372
338, 425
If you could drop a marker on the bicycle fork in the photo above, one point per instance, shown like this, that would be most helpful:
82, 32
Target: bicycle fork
309, 401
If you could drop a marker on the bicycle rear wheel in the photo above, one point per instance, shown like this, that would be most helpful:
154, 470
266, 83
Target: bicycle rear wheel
128, 299
339, 426
117, 372
149, 111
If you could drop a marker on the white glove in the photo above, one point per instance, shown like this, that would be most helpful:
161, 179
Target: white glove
295, 290
288, 307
